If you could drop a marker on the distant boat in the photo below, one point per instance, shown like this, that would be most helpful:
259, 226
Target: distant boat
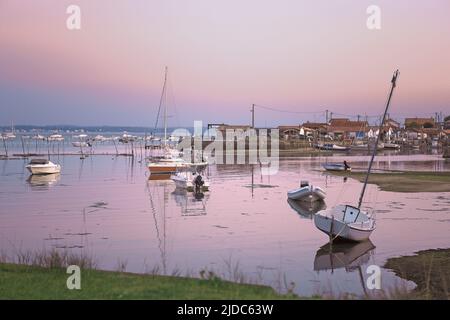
307, 192
336, 167
391, 145
350, 222
80, 144
55, 137
332, 147
43, 166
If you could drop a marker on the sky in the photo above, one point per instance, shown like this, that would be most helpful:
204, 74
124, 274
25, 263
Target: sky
222, 56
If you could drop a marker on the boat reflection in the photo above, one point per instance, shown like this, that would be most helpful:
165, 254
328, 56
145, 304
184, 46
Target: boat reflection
343, 255
45, 180
191, 204
307, 209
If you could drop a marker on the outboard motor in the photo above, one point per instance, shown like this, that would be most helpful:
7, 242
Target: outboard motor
198, 183
304, 183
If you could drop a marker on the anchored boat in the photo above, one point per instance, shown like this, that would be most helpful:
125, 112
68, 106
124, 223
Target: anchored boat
307, 192
43, 166
350, 222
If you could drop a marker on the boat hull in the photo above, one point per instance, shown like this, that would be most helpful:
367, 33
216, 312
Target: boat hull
308, 194
336, 167
340, 229
44, 169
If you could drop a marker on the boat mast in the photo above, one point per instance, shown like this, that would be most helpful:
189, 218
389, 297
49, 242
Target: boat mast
161, 100
393, 84
165, 109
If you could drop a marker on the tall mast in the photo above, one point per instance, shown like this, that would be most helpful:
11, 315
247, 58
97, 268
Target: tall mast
165, 108
393, 84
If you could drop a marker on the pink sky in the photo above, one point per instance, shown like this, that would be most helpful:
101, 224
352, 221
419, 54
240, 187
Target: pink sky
222, 56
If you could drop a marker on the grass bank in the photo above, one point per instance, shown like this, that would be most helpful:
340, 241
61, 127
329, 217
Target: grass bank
429, 269
405, 181
34, 282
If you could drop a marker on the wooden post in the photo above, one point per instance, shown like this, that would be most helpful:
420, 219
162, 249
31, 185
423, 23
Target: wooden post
4, 145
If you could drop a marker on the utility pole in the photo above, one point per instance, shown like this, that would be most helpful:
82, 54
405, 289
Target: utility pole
326, 116
253, 116
359, 117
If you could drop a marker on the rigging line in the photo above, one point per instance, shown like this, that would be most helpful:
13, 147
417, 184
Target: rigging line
172, 96
288, 111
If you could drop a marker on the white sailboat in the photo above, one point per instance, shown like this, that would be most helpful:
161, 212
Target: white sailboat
350, 222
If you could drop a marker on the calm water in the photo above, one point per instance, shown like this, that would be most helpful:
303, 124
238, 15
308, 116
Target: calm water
107, 206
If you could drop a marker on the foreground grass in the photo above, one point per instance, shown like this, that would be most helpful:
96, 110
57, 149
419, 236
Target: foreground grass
32, 282
405, 181
429, 269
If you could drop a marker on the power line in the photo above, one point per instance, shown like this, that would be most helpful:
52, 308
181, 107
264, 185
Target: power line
288, 111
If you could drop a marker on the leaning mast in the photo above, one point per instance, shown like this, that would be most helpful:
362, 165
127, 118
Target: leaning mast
393, 84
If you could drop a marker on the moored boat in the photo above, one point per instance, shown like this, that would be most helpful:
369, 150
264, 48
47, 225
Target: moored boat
350, 222
43, 166
307, 192
345, 221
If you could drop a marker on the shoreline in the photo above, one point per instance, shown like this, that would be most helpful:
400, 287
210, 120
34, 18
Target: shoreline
428, 269
404, 181
50, 283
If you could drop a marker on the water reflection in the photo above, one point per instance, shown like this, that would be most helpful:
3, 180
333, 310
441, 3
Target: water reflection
191, 204
40, 181
307, 209
343, 255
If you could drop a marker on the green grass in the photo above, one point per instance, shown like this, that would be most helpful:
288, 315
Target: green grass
33, 282
405, 181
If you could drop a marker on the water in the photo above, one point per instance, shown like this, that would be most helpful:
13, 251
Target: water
107, 206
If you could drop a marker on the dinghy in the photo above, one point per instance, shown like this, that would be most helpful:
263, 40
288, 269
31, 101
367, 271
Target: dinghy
350, 222
307, 192
337, 166
332, 147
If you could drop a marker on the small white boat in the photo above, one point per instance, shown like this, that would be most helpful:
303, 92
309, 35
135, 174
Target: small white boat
346, 222
307, 192
188, 180
43, 166
337, 167
391, 145
332, 147
80, 144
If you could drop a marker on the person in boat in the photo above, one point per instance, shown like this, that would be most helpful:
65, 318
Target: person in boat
198, 183
346, 165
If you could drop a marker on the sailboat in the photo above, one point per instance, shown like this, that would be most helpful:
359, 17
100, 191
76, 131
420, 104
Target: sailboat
350, 222
170, 160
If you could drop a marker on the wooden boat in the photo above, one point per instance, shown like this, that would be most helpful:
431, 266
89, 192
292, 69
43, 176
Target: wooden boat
350, 222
